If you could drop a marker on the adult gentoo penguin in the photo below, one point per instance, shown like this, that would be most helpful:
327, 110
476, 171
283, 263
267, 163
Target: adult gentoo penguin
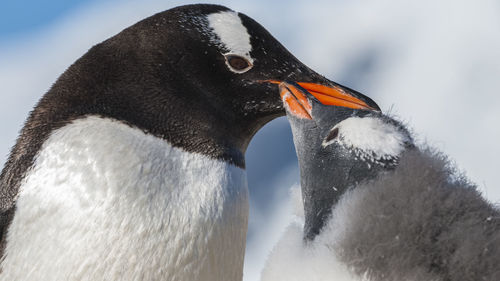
377, 207
131, 167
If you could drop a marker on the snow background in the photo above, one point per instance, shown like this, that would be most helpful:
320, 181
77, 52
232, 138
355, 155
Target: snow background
435, 64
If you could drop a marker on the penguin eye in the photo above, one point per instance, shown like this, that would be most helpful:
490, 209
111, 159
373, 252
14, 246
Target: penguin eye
237, 63
332, 135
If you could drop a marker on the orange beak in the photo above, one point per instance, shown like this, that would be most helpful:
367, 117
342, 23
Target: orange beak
299, 105
295, 100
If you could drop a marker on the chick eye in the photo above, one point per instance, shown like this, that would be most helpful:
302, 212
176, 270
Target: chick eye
331, 137
237, 63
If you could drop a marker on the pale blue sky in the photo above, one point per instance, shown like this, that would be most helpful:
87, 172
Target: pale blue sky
435, 64
26, 16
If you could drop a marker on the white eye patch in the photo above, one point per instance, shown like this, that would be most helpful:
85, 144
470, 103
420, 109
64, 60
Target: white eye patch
231, 34
369, 135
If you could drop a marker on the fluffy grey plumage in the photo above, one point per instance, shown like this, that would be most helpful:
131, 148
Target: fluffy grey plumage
378, 208
421, 221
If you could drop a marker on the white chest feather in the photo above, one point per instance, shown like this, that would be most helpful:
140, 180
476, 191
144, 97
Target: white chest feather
294, 260
105, 201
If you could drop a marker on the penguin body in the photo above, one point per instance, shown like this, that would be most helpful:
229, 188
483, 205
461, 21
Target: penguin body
379, 208
120, 197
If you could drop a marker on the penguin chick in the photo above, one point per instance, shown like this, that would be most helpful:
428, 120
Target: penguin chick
376, 207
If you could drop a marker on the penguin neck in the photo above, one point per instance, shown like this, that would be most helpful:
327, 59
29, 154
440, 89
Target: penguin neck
326, 176
322, 190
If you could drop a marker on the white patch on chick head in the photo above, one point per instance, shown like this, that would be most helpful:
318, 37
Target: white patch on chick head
369, 137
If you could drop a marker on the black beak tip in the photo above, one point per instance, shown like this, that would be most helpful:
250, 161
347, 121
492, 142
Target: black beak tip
371, 103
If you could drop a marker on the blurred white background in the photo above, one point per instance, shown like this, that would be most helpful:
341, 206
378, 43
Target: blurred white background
434, 64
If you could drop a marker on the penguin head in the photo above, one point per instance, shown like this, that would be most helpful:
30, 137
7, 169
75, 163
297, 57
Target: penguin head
215, 59
338, 147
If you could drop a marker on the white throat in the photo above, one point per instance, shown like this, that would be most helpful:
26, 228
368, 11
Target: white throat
293, 260
104, 201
